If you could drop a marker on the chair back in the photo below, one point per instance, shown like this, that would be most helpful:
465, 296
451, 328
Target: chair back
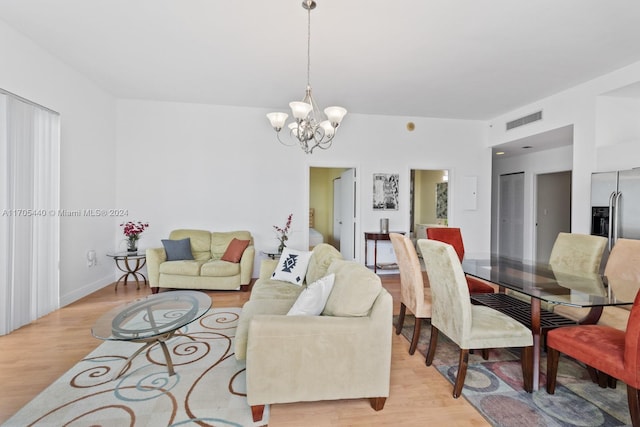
580, 252
411, 279
623, 269
450, 235
450, 301
632, 345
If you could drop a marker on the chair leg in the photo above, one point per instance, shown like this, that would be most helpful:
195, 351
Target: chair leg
633, 397
527, 369
433, 342
553, 356
416, 335
403, 309
462, 372
593, 374
485, 353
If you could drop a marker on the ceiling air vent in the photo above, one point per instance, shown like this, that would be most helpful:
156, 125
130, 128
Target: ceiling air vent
524, 120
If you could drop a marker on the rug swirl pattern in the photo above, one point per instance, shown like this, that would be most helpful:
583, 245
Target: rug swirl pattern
208, 387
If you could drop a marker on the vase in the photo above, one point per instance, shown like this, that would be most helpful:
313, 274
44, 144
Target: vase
132, 245
281, 247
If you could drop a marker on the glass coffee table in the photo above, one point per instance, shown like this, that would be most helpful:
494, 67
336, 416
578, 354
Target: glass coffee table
151, 320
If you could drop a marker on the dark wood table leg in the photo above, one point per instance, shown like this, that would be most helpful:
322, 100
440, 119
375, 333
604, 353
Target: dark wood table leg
535, 330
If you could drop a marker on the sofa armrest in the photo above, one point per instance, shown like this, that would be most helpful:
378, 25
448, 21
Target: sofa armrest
267, 267
309, 358
155, 257
246, 265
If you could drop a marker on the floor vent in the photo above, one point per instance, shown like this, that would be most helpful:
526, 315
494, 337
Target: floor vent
524, 120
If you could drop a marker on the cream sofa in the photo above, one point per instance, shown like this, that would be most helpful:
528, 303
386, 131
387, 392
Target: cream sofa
206, 270
344, 353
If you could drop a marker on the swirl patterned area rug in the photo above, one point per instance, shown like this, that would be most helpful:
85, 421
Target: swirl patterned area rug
494, 388
208, 387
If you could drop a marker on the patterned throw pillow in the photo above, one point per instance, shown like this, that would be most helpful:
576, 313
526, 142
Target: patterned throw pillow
292, 266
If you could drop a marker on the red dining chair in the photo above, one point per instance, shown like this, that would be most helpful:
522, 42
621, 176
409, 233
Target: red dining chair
453, 236
611, 352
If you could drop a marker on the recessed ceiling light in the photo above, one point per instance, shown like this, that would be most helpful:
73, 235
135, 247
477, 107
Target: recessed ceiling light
499, 153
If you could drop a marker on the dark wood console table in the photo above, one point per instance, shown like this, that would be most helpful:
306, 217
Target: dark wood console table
375, 236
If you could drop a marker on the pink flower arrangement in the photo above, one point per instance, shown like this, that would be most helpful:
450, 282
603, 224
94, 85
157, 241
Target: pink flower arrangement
133, 229
283, 233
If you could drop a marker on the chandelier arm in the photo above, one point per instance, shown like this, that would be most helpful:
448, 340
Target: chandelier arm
284, 143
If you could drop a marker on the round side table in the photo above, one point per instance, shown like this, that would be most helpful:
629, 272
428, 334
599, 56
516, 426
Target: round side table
130, 263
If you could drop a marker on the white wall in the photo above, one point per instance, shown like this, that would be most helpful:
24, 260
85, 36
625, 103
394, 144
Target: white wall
87, 155
548, 161
578, 107
221, 168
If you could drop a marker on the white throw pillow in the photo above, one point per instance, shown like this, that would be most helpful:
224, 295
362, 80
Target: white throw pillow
312, 300
292, 266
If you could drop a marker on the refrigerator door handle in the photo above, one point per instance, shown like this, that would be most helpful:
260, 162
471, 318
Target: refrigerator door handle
611, 220
616, 229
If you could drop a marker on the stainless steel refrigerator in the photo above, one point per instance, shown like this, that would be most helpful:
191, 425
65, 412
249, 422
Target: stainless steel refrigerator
615, 205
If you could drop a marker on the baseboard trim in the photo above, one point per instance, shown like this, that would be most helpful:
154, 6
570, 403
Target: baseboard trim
86, 290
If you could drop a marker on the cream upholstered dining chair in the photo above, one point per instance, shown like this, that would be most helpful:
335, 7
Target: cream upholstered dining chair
413, 293
579, 252
623, 273
469, 326
453, 236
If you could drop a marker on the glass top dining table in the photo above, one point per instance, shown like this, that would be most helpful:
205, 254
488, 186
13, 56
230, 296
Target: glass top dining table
543, 283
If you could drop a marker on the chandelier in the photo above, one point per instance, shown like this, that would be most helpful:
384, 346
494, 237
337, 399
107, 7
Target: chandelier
311, 127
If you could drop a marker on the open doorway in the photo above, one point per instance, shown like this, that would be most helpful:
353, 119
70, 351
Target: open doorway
429, 192
332, 208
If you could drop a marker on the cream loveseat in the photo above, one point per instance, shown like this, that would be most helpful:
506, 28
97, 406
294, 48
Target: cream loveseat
208, 269
344, 353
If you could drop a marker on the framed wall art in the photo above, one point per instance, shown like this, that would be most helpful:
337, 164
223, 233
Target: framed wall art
385, 191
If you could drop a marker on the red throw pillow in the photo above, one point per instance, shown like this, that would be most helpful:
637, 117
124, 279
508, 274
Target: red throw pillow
235, 250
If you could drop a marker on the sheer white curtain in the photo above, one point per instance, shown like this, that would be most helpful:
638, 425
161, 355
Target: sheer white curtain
29, 203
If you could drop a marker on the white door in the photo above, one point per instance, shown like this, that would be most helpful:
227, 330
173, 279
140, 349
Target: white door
348, 214
337, 212
511, 216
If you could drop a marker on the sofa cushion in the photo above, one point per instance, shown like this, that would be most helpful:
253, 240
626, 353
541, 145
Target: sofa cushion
219, 268
275, 289
313, 298
177, 250
354, 291
322, 257
200, 242
235, 250
292, 266
182, 268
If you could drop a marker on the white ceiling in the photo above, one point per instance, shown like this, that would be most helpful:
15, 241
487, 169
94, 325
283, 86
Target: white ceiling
436, 58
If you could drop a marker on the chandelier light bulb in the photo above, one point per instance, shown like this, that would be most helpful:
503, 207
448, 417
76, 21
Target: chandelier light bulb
300, 110
335, 115
277, 120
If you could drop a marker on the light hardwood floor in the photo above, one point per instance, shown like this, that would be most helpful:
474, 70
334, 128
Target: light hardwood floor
35, 355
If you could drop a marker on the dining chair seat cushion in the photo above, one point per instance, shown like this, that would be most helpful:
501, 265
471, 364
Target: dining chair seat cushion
479, 286
490, 329
601, 347
423, 310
